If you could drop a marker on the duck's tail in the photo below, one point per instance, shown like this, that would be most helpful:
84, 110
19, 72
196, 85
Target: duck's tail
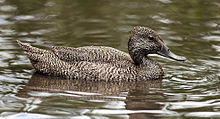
30, 49
37, 56
45, 61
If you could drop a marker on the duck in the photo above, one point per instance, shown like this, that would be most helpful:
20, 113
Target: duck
103, 63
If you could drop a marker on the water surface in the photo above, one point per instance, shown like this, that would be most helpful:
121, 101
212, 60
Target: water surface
190, 28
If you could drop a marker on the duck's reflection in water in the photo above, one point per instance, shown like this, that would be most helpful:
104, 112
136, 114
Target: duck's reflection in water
137, 96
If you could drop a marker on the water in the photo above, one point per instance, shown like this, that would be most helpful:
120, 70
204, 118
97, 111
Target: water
190, 28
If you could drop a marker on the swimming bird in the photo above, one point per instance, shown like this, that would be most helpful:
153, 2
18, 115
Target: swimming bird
102, 63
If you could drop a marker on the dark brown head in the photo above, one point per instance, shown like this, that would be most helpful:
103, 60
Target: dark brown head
144, 41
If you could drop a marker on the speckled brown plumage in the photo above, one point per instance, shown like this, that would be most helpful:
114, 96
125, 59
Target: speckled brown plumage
99, 62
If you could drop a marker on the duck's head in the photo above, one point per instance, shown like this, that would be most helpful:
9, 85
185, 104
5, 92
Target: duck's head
144, 41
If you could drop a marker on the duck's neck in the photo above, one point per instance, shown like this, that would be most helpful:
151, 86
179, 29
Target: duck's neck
141, 59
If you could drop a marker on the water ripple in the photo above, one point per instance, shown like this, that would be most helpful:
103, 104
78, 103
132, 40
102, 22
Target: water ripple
203, 114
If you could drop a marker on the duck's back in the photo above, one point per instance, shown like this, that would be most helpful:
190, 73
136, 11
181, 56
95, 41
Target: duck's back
99, 54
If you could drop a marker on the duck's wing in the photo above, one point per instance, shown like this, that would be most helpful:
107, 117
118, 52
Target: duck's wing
90, 54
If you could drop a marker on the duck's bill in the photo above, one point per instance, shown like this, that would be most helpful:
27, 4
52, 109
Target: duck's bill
167, 53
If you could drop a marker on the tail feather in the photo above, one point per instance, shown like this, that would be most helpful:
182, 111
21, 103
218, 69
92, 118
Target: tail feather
28, 48
45, 61
38, 57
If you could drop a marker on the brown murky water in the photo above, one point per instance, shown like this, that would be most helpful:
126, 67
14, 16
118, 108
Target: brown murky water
190, 28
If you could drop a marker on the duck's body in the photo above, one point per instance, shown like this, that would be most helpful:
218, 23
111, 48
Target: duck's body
98, 62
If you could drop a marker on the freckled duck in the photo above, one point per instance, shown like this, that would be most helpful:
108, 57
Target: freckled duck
104, 63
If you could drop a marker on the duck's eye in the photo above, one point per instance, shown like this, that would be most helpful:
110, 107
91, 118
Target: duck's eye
150, 37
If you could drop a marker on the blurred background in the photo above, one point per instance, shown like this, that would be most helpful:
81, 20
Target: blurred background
190, 28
